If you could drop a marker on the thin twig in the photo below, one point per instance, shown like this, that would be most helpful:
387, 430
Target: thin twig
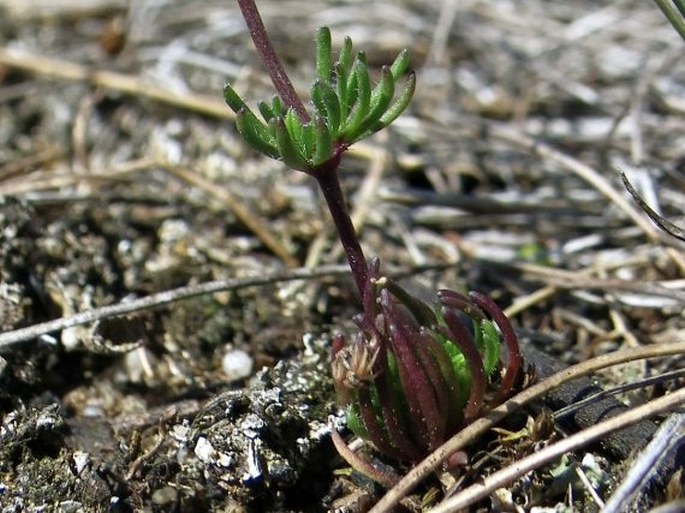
162, 431
480, 426
620, 389
524, 302
10, 338
674, 14
362, 466
507, 475
583, 280
20, 166
30, 184
660, 221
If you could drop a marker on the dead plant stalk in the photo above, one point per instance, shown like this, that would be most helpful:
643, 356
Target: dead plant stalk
510, 473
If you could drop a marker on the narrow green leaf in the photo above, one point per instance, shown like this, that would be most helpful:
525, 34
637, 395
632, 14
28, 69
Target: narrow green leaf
309, 141
271, 128
266, 110
341, 86
463, 376
289, 152
363, 100
294, 126
400, 103
273, 109
343, 75
400, 65
327, 104
350, 99
355, 423
323, 54
277, 106
384, 90
492, 347
380, 99
345, 58
234, 101
324, 143
360, 59
256, 133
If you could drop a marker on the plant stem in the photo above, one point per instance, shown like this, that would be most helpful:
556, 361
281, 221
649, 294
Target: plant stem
327, 178
675, 17
326, 174
268, 55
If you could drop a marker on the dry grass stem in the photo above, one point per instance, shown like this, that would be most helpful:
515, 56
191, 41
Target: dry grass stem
620, 389
522, 303
129, 84
660, 221
670, 292
10, 338
36, 182
507, 475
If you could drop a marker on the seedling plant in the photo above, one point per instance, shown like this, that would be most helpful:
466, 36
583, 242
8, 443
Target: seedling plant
414, 373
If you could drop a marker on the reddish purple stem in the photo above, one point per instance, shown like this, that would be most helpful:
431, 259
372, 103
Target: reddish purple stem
327, 177
326, 174
268, 55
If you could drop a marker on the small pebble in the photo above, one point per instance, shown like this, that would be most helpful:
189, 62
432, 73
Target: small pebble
204, 450
237, 364
81, 460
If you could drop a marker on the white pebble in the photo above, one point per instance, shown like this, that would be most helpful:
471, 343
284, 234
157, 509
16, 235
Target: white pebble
237, 364
204, 450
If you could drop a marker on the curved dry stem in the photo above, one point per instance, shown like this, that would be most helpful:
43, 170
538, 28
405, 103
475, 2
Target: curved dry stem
480, 426
510, 473
360, 464
619, 389
660, 221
